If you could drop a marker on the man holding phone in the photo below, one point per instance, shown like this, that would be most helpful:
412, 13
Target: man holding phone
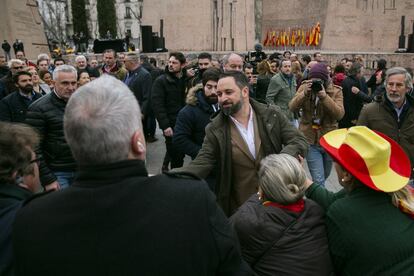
322, 105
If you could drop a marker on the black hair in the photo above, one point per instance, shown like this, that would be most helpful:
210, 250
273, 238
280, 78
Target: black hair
239, 77
248, 66
204, 55
16, 76
339, 68
211, 74
306, 58
82, 71
59, 59
179, 56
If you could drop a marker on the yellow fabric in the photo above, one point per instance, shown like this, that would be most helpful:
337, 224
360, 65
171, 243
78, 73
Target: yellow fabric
374, 150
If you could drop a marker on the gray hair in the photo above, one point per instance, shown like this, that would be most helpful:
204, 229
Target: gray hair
79, 58
399, 71
100, 120
65, 68
226, 58
282, 178
43, 56
14, 61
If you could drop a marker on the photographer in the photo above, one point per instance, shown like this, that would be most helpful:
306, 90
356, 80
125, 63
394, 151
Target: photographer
321, 103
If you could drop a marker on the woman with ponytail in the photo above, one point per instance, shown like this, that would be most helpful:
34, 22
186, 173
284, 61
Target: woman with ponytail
370, 222
280, 232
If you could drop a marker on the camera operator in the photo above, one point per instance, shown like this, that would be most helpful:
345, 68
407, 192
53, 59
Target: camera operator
195, 73
321, 103
255, 57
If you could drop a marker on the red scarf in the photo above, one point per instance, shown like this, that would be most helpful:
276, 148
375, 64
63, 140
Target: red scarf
296, 207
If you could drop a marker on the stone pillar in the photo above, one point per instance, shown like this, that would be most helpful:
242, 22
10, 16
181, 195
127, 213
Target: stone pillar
20, 19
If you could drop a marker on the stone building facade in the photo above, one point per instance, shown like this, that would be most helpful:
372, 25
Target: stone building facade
20, 19
345, 25
211, 25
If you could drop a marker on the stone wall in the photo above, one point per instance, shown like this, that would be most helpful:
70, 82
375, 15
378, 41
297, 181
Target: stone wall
346, 25
20, 19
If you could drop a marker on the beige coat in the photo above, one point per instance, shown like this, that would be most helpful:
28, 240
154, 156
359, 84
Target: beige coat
329, 111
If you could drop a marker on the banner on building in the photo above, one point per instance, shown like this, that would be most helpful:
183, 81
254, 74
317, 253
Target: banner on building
293, 37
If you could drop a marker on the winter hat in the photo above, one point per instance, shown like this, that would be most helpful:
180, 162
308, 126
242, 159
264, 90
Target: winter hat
319, 71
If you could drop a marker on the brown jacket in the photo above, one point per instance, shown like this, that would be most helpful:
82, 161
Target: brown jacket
328, 110
381, 116
277, 136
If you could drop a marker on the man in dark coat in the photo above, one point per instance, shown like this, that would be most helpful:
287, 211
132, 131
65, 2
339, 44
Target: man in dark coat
138, 80
355, 95
6, 83
238, 138
57, 166
392, 112
192, 120
13, 108
19, 179
115, 220
167, 98
6, 48
18, 46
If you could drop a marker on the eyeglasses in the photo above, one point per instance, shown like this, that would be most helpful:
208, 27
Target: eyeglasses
37, 161
18, 67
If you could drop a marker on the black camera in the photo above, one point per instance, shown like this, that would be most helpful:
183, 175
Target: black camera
317, 85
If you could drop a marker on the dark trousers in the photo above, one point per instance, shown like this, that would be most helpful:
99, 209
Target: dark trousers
149, 123
176, 158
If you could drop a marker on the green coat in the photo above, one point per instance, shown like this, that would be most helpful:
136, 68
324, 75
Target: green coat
277, 136
367, 234
280, 93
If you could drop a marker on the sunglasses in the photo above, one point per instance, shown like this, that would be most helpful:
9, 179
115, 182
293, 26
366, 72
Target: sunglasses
18, 67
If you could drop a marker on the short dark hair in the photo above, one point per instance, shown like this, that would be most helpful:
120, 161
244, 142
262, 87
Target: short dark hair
211, 74
16, 76
16, 140
239, 77
59, 59
40, 60
179, 56
153, 61
355, 69
109, 51
306, 58
248, 66
316, 53
82, 71
204, 55
339, 68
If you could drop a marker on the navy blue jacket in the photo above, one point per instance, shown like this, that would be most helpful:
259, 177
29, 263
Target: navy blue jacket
191, 122
13, 107
140, 83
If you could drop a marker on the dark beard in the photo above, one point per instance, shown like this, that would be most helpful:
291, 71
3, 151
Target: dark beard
27, 89
228, 111
211, 99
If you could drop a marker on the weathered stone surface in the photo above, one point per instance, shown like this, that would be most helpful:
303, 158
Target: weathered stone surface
20, 19
346, 25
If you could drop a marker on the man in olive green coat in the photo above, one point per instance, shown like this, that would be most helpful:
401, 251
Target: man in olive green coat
282, 88
240, 135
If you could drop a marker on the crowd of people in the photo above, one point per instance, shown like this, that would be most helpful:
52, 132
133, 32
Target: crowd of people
76, 197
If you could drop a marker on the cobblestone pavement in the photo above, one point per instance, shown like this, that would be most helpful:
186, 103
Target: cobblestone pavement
155, 156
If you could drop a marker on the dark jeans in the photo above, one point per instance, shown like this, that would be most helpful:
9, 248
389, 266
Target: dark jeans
177, 158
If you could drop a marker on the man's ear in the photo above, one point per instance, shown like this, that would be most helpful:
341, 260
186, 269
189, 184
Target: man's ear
138, 145
245, 91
